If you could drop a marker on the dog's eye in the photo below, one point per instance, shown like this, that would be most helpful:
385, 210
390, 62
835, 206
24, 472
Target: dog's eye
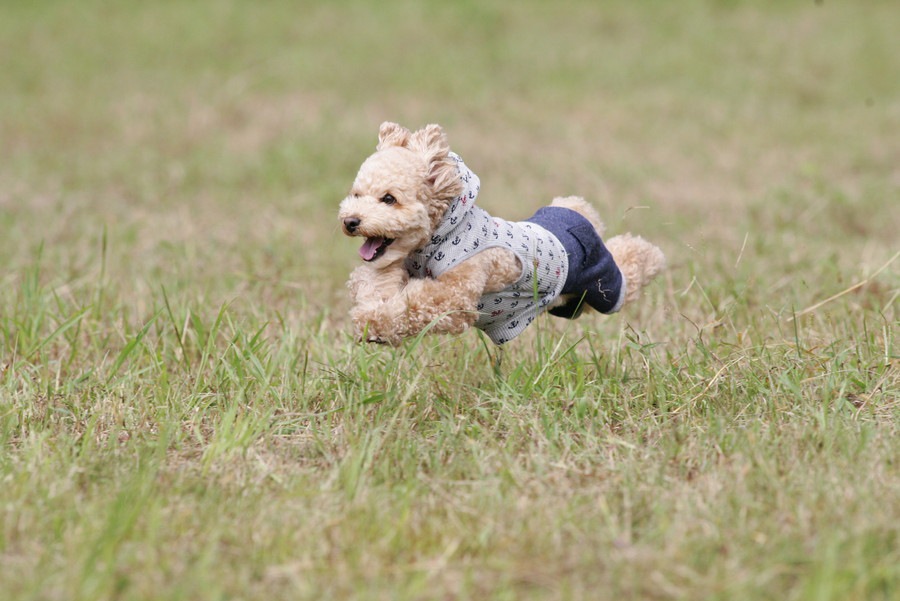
388, 199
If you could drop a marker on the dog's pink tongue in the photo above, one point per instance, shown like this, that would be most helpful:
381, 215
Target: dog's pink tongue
370, 247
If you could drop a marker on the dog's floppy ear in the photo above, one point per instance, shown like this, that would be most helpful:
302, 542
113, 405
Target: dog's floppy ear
391, 134
443, 176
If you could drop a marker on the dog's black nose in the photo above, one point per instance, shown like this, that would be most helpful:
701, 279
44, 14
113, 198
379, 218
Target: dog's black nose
350, 224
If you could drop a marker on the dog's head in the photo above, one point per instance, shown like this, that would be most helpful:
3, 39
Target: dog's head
401, 192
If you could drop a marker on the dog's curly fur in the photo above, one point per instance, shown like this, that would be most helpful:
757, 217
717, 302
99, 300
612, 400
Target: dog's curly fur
397, 201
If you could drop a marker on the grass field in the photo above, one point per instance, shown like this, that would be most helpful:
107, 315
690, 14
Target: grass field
184, 414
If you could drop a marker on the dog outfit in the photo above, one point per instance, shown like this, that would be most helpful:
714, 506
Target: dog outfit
559, 250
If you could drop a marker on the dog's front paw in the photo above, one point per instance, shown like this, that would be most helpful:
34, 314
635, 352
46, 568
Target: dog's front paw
377, 331
376, 324
372, 336
374, 339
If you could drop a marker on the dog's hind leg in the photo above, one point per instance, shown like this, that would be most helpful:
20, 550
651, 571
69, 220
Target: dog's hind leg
582, 207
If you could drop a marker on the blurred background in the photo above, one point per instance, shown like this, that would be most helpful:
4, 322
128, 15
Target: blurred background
206, 144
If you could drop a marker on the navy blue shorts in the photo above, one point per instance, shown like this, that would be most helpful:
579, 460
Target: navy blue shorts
594, 278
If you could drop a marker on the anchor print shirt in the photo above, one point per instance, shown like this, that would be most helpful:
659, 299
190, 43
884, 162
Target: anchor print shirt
467, 230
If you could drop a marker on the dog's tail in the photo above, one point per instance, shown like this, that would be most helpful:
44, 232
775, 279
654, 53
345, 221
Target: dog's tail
638, 260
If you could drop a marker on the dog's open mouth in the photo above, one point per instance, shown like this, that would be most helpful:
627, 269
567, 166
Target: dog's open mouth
373, 248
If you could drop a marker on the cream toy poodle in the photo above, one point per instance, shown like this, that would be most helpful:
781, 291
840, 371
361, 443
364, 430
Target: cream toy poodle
433, 261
